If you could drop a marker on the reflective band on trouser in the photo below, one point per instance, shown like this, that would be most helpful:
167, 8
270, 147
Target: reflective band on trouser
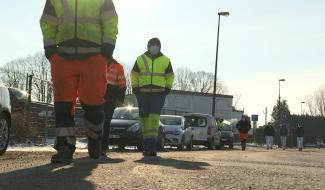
65, 131
93, 131
150, 130
79, 50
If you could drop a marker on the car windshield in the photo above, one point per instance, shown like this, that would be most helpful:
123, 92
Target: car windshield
166, 120
126, 113
196, 121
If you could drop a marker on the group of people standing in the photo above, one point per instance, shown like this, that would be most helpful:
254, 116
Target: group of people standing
269, 134
244, 125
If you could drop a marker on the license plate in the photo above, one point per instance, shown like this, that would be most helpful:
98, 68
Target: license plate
114, 136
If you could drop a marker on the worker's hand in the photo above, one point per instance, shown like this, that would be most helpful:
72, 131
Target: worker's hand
49, 51
135, 91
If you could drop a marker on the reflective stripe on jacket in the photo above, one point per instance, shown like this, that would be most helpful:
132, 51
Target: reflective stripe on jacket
79, 26
152, 75
116, 82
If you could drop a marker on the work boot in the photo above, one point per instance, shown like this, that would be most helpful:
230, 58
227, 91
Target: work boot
94, 148
63, 156
243, 148
150, 148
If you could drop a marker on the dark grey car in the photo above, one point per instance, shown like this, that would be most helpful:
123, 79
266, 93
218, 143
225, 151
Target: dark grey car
5, 119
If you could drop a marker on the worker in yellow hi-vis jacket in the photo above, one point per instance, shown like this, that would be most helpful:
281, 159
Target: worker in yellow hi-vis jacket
152, 78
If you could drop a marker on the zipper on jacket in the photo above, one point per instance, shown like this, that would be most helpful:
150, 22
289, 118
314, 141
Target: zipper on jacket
75, 25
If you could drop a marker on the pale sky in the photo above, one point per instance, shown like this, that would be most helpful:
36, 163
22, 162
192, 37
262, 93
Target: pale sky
260, 42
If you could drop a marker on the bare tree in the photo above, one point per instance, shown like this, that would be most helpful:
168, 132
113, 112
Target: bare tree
316, 102
200, 81
15, 73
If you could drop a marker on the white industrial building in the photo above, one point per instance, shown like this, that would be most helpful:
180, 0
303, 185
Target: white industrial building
179, 102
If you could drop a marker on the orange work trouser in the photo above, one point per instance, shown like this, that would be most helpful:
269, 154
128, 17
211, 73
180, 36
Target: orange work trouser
85, 79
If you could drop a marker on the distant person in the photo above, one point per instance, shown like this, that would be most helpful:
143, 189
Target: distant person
269, 133
300, 136
220, 123
283, 136
152, 79
243, 126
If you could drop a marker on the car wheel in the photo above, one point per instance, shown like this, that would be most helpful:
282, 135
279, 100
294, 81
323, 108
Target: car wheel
181, 146
161, 144
4, 133
190, 144
120, 147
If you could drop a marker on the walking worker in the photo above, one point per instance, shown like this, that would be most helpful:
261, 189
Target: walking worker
269, 133
300, 137
243, 126
114, 97
220, 123
79, 39
152, 78
283, 136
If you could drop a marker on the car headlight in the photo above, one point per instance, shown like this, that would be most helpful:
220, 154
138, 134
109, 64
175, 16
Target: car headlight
134, 128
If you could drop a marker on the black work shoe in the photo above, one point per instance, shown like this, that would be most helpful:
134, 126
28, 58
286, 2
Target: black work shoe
151, 154
64, 156
94, 148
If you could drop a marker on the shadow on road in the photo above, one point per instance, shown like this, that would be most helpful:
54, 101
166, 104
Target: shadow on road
169, 162
54, 176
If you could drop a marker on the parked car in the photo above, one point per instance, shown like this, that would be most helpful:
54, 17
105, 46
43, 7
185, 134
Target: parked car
205, 131
126, 129
5, 119
227, 134
176, 133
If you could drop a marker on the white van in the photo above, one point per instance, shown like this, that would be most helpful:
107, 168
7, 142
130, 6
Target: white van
205, 131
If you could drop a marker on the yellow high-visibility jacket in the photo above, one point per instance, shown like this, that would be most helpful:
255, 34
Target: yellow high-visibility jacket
152, 74
79, 27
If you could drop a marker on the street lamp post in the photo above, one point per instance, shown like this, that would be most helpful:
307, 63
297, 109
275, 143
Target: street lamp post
301, 107
215, 68
279, 114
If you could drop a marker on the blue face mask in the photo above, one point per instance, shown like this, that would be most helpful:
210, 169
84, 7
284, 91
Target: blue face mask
154, 50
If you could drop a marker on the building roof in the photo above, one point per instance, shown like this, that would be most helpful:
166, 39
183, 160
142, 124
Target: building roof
190, 93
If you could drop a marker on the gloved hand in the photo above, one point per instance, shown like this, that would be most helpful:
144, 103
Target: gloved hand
107, 50
135, 90
49, 51
167, 90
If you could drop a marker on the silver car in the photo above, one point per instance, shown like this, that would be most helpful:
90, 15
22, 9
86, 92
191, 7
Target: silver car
176, 133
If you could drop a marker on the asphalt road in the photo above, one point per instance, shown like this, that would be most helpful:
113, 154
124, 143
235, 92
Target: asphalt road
255, 168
